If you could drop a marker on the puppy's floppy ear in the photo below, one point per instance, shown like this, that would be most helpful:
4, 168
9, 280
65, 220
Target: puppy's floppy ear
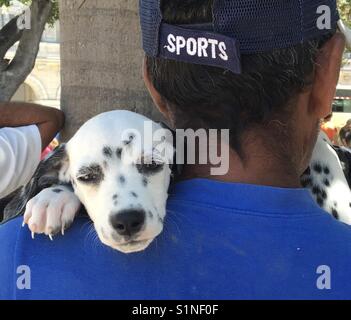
51, 171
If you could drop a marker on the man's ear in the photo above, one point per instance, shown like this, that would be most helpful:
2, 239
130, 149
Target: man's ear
156, 97
326, 75
51, 171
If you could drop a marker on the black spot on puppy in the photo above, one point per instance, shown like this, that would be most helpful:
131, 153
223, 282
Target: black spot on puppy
308, 171
130, 139
119, 153
122, 179
150, 214
57, 190
320, 201
133, 194
114, 197
326, 182
145, 181
335, 214
306, 182
317, 168
326, 170
324, 194
107, 152
316, 190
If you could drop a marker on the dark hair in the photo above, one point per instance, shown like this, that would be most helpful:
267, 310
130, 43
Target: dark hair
344, 132
347, 137
201, 96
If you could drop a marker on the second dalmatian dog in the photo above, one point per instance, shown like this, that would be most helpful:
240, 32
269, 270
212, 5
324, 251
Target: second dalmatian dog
326, 180
125, 194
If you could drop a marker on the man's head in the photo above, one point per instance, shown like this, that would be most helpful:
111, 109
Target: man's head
279, 96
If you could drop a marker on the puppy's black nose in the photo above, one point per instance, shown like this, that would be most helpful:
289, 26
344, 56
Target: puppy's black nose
128, 222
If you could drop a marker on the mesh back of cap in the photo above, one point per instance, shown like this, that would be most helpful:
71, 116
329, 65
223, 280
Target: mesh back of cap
263, 25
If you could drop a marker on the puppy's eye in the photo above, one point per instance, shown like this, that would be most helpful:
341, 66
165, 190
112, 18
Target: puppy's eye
92, 174
149, 168
153, 166
88, 178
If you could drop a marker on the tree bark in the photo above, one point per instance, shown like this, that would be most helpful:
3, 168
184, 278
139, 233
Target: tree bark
101, 60
14, 73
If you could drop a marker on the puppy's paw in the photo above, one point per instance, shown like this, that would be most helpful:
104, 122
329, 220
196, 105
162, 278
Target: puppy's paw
51, 211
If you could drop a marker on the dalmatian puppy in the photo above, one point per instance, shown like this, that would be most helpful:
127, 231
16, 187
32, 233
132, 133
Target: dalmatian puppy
326, 180
119, 175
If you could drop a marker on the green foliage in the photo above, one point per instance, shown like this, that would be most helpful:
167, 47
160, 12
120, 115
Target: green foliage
4, 3
345, 10
54, 13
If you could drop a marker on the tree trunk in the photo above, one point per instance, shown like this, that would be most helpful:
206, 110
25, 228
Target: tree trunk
101, 60
13, 73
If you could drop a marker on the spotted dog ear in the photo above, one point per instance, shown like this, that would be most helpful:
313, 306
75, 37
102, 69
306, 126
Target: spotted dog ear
345, 159
176, 168
51, 171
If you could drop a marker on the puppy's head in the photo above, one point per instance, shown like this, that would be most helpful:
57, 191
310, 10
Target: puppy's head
119, 166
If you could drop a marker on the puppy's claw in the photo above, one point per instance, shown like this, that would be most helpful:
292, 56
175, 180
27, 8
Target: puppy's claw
33, 234
51, 238
63, 230
23, 224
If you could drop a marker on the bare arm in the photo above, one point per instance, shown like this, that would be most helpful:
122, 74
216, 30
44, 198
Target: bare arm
48, 120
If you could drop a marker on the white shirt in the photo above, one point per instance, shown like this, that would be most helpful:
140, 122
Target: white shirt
20, 150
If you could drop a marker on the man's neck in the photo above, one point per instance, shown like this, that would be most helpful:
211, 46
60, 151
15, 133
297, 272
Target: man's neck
259, 166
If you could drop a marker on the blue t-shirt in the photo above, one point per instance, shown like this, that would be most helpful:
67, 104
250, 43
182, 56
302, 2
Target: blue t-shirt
221, 241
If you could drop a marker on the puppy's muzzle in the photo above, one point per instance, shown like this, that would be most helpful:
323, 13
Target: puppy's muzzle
128, 223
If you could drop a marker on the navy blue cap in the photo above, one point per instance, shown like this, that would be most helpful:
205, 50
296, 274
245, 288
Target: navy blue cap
239, 27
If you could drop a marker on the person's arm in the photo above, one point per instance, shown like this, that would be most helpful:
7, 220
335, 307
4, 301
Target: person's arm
18, 114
